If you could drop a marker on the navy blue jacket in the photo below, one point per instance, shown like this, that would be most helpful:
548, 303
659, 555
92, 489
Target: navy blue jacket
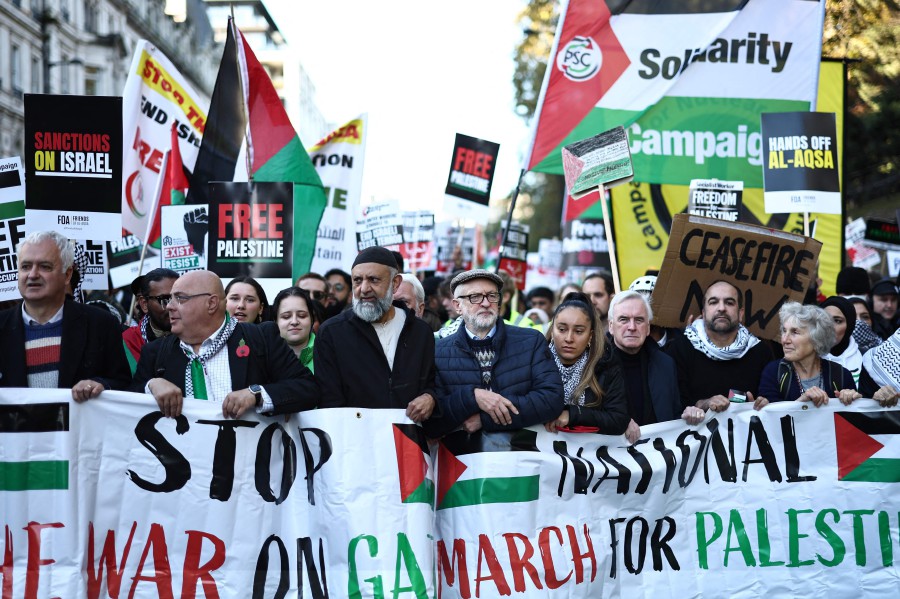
779, 380
524, 373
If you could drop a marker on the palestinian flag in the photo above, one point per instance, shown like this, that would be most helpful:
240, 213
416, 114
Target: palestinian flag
31, 442
688, 80
868, 446
465, 479
412, 464
248, 136
172, 191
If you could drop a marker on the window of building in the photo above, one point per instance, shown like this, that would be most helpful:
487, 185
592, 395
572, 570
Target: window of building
91, 81
15, 68
35, 75
64, 75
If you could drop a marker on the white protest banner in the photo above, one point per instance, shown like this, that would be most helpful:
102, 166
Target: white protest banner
339, 161
545, 266
449, 237
12, 224
185, 238
155, 96
381, 224
108, 497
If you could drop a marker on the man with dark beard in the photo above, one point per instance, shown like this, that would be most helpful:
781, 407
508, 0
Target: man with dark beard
377, 355
153, 291
718, 354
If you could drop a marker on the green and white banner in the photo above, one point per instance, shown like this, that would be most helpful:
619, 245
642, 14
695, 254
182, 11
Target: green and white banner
110, 499
687, 80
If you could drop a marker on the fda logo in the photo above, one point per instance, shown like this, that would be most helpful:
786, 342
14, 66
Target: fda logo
580, 59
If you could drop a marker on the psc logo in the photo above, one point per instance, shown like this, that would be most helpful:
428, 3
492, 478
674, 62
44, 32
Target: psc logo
580, 59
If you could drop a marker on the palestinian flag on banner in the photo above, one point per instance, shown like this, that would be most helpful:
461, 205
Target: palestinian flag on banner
412, 464
859, 436
465, 478
688, 80
31, 447
248, 136
172, 190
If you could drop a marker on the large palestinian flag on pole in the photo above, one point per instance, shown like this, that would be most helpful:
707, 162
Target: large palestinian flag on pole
250, 137
688, 80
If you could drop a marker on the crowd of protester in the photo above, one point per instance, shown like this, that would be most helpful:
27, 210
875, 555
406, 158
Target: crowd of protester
462, 352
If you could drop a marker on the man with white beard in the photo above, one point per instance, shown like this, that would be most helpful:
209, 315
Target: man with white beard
377, 355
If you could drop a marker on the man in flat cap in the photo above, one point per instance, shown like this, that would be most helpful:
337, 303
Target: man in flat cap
490, 375
377, 355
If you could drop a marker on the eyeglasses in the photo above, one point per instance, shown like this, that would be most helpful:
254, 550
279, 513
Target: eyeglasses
180, 298
477, 298
317, 295
338, 287
162, 300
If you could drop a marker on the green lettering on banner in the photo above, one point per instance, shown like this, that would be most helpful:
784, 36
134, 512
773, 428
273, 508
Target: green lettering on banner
702, 541
859, 537
406, 555
831, 537
794, 536
353, 590
736, 526
884, 535
762, 533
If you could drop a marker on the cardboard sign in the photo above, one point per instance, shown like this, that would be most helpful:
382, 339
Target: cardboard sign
716, 199
800, 166
12, 225
769, 267
73, 165
515, 254
250, 229
603, 159
185, 237
468, 190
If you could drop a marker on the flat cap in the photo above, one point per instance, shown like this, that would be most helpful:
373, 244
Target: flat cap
377, 255
471, 275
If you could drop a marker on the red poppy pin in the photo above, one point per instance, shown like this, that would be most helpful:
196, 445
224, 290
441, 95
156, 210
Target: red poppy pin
243, 350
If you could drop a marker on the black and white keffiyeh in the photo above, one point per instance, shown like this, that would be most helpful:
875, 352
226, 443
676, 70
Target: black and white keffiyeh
883, 362
197, 362
696, 334
571, 376
81, 264
865, 337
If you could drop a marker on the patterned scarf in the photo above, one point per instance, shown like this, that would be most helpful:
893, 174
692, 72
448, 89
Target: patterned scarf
194, 374
484, 353
571, 376
145, 322
696, 334
883, 362
81, 264
865, 337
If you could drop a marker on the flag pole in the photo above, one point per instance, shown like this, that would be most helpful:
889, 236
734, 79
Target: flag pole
159, 183
239, 51
610, 244
509, 215
806, 223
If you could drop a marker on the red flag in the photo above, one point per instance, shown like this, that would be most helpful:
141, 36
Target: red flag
575, 81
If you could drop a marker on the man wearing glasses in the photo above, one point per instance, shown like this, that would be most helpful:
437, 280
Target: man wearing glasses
490, 375
153, 291
377, 355
52, 342
213, 357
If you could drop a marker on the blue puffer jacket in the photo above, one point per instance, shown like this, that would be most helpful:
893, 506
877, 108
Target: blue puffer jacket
523, 372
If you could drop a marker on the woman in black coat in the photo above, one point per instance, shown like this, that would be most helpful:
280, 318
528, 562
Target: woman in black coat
592, 376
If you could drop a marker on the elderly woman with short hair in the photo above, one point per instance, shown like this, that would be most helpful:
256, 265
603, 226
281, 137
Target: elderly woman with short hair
807, 335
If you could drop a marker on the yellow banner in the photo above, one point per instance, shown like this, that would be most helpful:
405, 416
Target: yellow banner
642, 213
158, 79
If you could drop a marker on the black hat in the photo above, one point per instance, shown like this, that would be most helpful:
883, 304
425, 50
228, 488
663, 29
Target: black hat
852, 280
376, 255
885, 286
478, 273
